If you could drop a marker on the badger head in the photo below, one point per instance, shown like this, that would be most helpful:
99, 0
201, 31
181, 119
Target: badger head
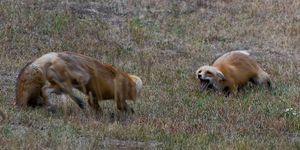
209, 77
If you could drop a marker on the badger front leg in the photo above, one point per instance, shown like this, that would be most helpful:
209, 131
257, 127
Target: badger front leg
230, 88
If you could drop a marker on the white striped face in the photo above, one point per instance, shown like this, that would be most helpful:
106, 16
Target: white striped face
209, 76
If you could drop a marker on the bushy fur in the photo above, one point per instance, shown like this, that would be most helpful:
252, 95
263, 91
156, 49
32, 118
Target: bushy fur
230, 72
28, 88
61, 72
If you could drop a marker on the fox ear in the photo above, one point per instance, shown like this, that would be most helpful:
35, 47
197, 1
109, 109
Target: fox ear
221, 75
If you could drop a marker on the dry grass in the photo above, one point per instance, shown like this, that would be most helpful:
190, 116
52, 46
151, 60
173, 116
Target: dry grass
164, 42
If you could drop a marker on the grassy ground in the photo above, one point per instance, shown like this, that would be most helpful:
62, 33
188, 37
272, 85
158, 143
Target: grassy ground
164, 42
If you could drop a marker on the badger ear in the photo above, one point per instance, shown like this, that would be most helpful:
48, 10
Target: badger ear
221, 75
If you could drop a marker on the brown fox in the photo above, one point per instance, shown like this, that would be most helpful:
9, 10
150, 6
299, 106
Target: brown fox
230, 72
60, 72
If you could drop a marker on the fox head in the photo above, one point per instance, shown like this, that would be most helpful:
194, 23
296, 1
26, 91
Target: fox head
210, 77
138, 84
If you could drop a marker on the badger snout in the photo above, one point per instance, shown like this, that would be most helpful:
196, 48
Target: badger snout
205, 83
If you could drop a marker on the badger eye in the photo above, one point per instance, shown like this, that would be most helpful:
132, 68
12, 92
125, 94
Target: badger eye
209, 73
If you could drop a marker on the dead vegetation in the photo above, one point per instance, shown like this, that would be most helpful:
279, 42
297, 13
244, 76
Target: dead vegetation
163, 42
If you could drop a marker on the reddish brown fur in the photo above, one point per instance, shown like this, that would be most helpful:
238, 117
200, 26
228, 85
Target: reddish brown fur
28, 88
237, 68
70, 70
110, 82
244, 68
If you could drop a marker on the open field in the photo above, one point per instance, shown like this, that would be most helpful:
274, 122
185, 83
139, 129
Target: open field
163, 42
